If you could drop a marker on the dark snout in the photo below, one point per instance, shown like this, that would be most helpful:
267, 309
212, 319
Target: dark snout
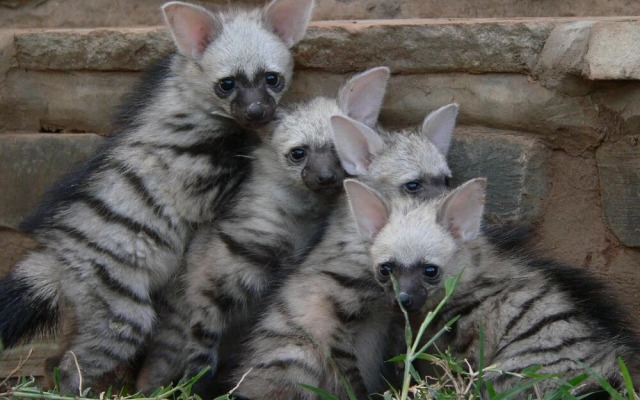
253, 107
412, 296
323, 171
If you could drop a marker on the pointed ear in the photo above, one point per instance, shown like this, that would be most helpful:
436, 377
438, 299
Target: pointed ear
356, 144
361, 96
367, 208
461, 211
193, 28
438, 126
289, 19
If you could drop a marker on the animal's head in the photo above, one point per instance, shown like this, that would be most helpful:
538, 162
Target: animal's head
410, 162
418, 242
238, 63
304, 136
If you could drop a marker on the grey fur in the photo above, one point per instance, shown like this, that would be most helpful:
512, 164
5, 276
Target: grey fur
532, 312
328, 318
114, 233
278, 215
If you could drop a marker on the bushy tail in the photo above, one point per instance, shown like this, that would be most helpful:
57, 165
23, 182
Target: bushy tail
24, 313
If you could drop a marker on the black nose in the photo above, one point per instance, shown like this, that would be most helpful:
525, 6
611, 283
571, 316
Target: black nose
327, 178
255, 111
405, 299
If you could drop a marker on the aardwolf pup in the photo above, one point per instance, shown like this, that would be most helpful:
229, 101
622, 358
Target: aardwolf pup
532, 312
327, 319
112, 233
278, 214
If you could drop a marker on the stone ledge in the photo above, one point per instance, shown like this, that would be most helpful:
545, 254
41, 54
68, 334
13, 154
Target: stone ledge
406, 46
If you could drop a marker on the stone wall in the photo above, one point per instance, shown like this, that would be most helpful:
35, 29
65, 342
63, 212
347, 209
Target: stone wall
105, 13
549, 112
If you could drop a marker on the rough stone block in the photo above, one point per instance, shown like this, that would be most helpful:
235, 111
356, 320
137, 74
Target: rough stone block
31, 163
561, 64
412, 46
515, 165
619, 171
130, 49
613, 51
52, 101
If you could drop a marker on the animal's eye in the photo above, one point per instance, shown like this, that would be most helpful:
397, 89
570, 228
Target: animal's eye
447, 182
431, 271
297, 154
272, 79
385, 270
412, 187
227, 84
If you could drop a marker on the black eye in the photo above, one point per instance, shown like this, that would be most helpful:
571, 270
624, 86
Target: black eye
431, 271
297, 154
385, 270
272, 79
446, 181
227, 84
412, 187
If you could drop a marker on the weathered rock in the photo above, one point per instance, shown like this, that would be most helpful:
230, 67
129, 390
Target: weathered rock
515, 166
613, 51
561, 64
130, 49
52, 101
31, 163
619, 171
82, 13
417, 46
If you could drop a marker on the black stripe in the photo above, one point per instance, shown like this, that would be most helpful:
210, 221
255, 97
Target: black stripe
197, 361
205, 336
218, 298
138, 185
178, 127
121, 319
567, 342
548, 320
524, 308
104, 211
555, 362
255, 253
345, 316
102, 272
342, 354
350, 282
283, 364
82, 238
465, 308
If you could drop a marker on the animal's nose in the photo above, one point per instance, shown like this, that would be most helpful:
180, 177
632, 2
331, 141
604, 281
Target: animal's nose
327, 178
405, 299
255, 111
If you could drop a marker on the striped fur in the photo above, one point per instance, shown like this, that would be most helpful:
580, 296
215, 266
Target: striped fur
112, 234
532, 312
279, 213
327, 320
